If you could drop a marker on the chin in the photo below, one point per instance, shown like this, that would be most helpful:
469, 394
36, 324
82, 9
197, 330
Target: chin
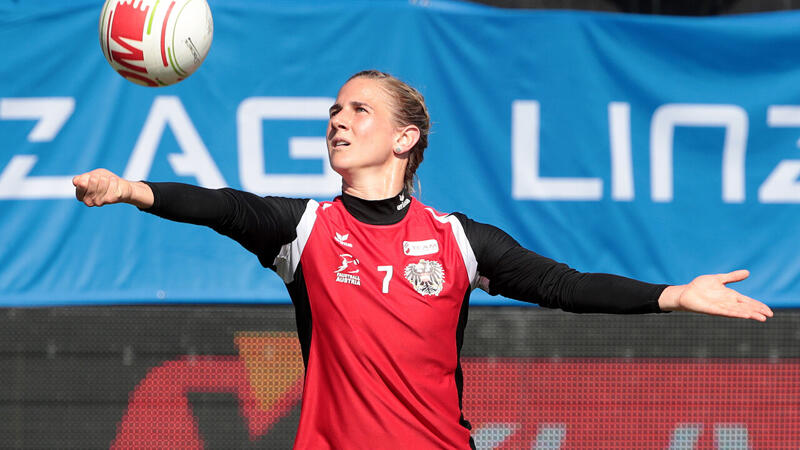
339, 163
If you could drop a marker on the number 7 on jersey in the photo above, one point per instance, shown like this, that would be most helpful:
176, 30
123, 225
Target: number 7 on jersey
386, 278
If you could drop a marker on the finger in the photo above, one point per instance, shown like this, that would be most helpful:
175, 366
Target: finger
733, 313
114, 193
763, 309
81, 180
757, 315
80, 193
752, 314
735, 305
753, 310
102, 190
741, 313
736, 275
91, 190
111, 190
758, 306
80, 189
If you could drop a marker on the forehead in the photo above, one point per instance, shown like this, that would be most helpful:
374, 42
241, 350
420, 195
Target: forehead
364, 90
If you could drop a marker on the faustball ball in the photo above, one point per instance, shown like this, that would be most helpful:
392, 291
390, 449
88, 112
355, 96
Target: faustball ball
155, 42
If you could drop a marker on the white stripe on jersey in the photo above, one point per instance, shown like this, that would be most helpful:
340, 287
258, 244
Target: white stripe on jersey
470, 262
289, 257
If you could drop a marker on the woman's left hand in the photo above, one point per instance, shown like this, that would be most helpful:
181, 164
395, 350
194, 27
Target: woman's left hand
708, 294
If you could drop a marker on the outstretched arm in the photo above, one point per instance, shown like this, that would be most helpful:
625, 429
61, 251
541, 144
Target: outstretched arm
102, 187
708, 294
261, 224
515, 272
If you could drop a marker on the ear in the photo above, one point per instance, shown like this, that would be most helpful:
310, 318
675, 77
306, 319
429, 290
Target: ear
405, 139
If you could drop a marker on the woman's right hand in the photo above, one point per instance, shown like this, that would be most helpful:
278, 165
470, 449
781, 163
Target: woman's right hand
102, 187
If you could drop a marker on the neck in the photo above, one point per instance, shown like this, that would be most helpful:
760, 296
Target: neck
378, 187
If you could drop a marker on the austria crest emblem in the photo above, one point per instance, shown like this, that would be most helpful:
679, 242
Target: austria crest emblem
427, 277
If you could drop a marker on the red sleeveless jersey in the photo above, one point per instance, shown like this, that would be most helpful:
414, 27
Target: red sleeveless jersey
384, 303
381, 309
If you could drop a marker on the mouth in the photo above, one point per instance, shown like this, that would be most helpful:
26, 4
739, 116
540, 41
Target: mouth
339, 143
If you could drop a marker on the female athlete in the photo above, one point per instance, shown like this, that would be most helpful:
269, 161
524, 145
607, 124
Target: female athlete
380, 282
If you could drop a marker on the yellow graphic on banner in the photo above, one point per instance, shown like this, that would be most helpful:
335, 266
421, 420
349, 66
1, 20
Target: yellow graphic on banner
273, 362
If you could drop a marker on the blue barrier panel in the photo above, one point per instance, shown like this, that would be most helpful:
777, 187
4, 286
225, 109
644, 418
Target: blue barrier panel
659, 148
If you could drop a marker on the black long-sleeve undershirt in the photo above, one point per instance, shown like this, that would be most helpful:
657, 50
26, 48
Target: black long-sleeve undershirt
516, 272
263, 224
260, 224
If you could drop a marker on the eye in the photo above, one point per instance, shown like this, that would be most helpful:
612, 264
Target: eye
361, 109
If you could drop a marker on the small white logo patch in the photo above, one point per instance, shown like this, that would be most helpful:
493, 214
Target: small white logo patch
342, 238
348, 272
419, 248
427, 277
403, 202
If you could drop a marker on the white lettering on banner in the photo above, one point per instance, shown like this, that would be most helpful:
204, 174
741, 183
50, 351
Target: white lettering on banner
526, 184
552, 436
781, 186
195, 159
619, 132
662, 129
50, 114
685, 436
731, 436
492, 435
249, 117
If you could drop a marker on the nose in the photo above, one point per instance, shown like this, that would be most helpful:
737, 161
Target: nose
337, 123
340, 121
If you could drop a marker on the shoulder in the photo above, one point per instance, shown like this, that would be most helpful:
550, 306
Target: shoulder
431, 212
488, 241
327, 208
473, 228
457, 219
293, 206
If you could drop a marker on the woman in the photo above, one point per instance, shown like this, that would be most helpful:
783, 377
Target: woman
380, 282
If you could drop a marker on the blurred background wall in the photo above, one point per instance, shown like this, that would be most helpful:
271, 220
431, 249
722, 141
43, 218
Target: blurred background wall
673, 141
674, 7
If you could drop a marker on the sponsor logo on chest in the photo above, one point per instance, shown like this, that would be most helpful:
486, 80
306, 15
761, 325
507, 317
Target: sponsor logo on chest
420, 248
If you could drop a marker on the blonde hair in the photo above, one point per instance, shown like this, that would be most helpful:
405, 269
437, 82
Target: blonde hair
408, 108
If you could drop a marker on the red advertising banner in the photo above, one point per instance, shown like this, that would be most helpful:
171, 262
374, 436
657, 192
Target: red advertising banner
266, 377
633, 403
513, 403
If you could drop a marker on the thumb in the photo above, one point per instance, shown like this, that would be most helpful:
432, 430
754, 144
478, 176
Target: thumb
80, 180
736, 275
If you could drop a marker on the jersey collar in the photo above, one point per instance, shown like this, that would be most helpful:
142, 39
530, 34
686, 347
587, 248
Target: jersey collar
378, 212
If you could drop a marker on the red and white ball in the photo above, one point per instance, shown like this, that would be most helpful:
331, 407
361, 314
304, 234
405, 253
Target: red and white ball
156, 42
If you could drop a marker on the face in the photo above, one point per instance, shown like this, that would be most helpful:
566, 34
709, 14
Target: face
361, 133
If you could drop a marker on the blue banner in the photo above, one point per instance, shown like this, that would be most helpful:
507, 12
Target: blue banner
658, 148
